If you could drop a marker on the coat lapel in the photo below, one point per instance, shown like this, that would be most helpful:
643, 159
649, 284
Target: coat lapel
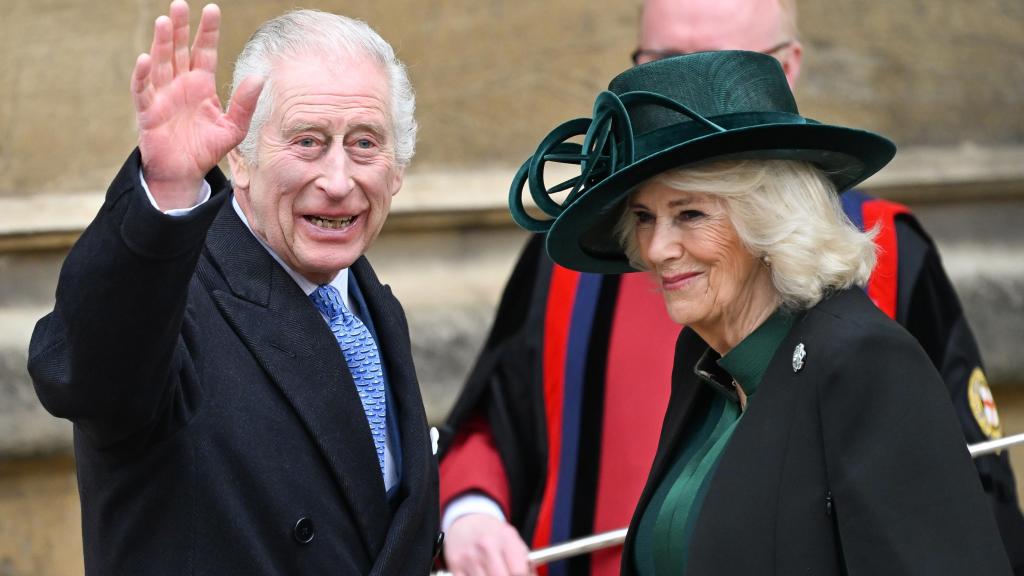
419, 489
750, 466
293, 344
687, 397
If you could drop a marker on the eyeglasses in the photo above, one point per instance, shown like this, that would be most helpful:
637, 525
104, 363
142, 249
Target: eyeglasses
647, 55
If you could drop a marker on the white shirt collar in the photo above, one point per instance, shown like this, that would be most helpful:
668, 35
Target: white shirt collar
340, 281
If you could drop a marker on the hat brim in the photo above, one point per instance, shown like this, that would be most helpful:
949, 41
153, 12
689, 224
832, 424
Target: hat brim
582, 237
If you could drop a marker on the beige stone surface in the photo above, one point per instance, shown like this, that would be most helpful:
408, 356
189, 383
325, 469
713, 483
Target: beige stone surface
40, 522
923, 72
485, 72
493, 77
64, 105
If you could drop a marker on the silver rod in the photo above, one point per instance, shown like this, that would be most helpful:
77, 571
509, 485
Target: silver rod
577, 547
612, 538
570, 548
983, 448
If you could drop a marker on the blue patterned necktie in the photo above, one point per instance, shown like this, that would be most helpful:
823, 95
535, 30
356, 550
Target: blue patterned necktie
362, 358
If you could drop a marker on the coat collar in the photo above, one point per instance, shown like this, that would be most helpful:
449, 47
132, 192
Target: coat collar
294, 345
419, 466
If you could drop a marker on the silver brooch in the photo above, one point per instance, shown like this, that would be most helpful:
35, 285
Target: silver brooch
798, 357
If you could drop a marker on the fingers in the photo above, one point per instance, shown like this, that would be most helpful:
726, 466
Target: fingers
180, 33
243, 102
502, 557
170, 52
479, 544
204, 48
141, 95
160, 51
515, 555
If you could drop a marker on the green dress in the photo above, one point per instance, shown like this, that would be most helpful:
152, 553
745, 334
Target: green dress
665, 530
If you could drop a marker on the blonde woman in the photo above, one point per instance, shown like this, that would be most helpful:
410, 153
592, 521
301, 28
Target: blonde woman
807, 432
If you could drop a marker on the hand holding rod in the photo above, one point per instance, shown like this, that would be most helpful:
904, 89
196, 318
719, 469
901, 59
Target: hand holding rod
612, 538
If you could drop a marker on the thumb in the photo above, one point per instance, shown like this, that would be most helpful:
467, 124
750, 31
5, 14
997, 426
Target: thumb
243, 102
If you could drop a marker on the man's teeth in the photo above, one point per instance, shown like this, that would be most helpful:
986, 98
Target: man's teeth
332, 223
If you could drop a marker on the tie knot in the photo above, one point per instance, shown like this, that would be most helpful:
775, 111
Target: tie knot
328, 301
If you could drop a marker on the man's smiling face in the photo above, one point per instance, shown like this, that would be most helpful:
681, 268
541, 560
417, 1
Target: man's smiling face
325, 169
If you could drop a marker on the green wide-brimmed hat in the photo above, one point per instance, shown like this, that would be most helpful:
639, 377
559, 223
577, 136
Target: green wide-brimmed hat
668, 114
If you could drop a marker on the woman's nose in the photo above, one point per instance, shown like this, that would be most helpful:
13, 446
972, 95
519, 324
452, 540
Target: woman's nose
665, 245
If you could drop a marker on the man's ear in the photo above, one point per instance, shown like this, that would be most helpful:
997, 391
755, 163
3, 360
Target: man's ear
791, 61
397, 179
240, 171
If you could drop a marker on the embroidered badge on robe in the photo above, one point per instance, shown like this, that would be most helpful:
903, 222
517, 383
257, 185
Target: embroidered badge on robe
983, 405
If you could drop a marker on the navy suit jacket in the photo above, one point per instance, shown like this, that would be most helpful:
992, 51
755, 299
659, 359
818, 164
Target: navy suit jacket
217, 428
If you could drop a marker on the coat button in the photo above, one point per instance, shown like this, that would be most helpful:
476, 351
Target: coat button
304, 531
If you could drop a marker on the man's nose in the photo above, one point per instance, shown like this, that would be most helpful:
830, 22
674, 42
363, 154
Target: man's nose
336, 172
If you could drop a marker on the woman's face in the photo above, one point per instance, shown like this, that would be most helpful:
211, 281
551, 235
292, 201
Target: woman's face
708, 278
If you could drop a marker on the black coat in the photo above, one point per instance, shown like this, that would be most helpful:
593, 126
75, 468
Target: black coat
217, 427
853, 464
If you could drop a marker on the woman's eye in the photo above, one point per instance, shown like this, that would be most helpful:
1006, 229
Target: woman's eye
643, 218
687, 215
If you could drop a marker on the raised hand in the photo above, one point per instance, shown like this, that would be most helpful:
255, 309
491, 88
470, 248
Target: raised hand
183, 131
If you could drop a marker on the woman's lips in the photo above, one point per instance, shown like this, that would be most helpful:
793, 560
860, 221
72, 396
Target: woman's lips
677, 281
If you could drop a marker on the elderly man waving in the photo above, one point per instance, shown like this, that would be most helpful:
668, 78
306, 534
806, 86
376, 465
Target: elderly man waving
240, 382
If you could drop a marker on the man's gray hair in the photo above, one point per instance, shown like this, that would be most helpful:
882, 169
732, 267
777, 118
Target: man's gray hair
785, 211
303, 32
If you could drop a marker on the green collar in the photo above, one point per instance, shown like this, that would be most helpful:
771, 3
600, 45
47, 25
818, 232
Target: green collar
747, 362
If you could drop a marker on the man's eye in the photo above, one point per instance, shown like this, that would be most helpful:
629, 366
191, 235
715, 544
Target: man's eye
365, 143
306, 142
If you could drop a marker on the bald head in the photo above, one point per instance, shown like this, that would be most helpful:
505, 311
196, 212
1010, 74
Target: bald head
684, 26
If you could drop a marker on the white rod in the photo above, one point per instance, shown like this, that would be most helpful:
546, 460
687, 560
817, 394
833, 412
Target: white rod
577, 547
983, 448
569, 548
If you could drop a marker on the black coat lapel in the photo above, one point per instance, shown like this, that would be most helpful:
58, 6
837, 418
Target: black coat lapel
290, 340
754, 459
688, 395
419, 491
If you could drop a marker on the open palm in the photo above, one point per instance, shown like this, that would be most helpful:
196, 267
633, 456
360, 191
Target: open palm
183, 131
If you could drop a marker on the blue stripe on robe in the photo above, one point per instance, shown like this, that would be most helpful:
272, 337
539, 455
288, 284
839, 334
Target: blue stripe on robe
580, 325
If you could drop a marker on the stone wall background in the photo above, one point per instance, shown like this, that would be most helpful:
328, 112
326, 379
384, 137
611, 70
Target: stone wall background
493, 76
944, 79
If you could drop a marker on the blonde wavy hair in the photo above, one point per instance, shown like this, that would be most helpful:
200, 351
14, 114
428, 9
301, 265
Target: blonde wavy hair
785, 212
